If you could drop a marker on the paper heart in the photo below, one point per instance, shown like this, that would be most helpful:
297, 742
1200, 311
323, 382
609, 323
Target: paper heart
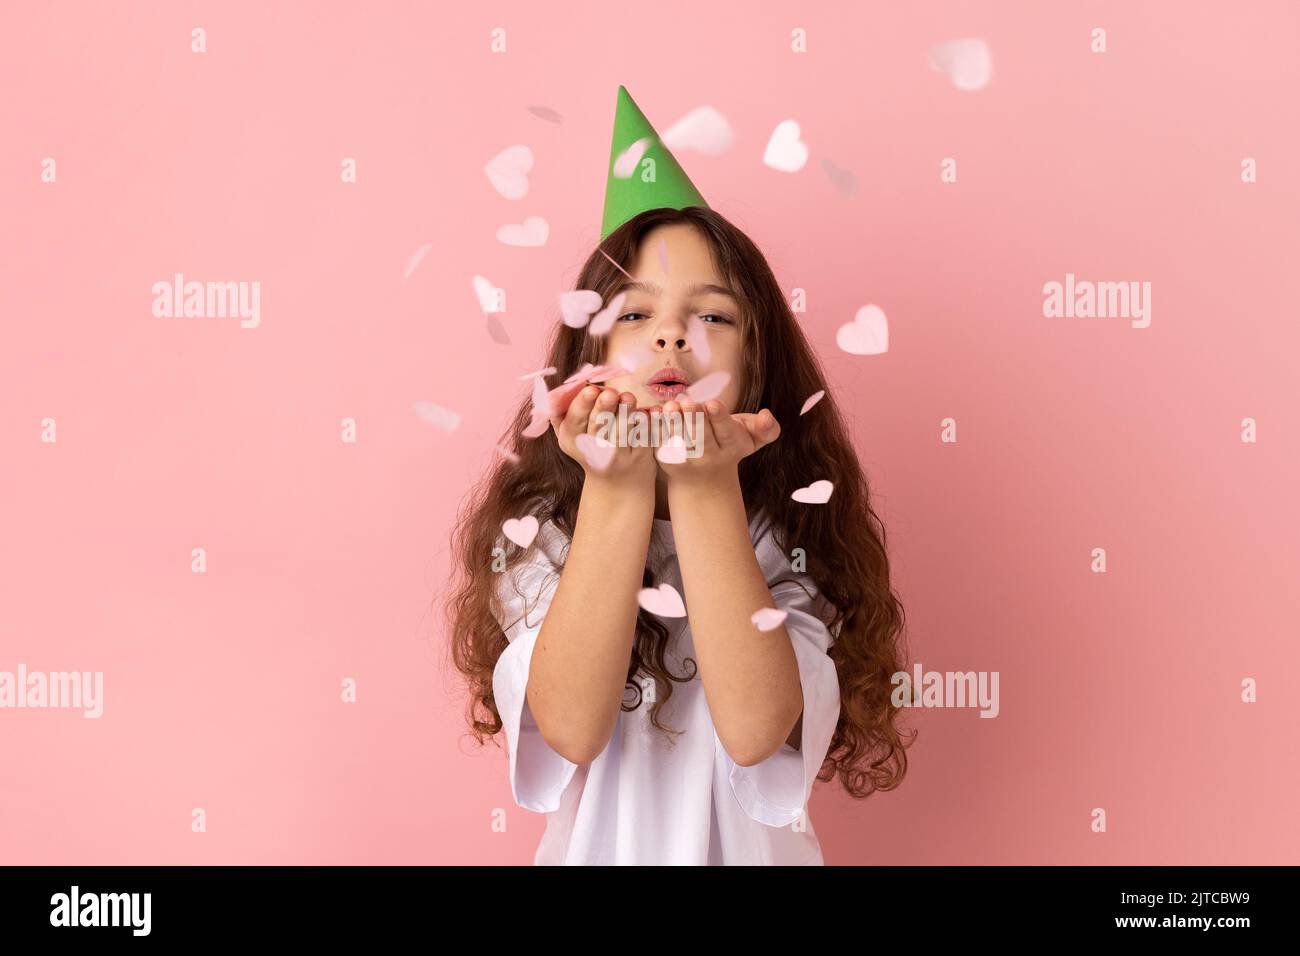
576, 307
598, 452
967, 62
766, 618
496, 329
415, 259
487, 294
546, 113
537, 427
784, 151
520, 530
818, 493
604, 320
508, 171
673, 451
703, 129
532, 232
697, 336
663, 601
625, 164
867, 334
812, 400
711, 386
437, 415
542, 399
842, 179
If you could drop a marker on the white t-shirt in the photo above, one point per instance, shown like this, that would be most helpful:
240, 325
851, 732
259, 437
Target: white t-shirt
645, 800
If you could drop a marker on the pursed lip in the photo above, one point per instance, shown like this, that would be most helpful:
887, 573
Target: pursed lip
669, 373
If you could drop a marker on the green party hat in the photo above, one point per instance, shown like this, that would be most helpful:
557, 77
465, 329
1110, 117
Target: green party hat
670, 187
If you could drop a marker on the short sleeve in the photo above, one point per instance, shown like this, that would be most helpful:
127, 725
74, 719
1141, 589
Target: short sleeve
776, 790
538, 775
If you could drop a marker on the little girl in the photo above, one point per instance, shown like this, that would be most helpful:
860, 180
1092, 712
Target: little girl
689, 641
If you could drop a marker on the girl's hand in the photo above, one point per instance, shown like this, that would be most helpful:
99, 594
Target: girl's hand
627, 465
723, 440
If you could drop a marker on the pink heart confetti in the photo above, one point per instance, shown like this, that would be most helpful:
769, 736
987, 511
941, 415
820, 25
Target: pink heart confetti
673, 451
697, 336
415, 259
663, 601
604, 320
532, 232
818, 493
508, 171
597, 452
867, 334
537, 427
703, 130
520, 530
812, 400
767, 618
437, 415
625, 164
711, 386
967, 62
488, 298
576, 307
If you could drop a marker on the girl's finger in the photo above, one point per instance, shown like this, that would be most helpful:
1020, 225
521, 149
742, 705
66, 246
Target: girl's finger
697, 425
724, 427
762, 427
607, 401
580, 410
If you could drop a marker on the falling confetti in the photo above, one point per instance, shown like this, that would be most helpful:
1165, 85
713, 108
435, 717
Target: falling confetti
784, 150
625, 164
967, 62
663, 601
508, 171
416, 258
532, 232
703, 130
521, 531
437, 415
867, 334
818, 493
812, 400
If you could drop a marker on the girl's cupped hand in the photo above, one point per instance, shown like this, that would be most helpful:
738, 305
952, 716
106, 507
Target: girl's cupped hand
723, 440
599, 459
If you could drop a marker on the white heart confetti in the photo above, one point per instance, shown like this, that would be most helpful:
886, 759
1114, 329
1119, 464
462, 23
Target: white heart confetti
532, 232
703, 130
508, 171
967, 62
784, 150
867, 334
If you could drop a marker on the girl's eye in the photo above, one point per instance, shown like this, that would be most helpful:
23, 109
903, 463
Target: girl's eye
706, 315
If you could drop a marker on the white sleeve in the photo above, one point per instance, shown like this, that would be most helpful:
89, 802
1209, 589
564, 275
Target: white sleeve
776, 790
538, 775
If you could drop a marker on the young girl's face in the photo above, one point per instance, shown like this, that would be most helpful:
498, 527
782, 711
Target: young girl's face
681, 317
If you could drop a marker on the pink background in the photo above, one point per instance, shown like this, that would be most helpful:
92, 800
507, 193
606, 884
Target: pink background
1119, 690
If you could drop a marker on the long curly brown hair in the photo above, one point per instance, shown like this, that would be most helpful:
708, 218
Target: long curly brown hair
843, 540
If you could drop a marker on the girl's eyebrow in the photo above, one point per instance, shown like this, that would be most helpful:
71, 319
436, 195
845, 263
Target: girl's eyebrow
649, 288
